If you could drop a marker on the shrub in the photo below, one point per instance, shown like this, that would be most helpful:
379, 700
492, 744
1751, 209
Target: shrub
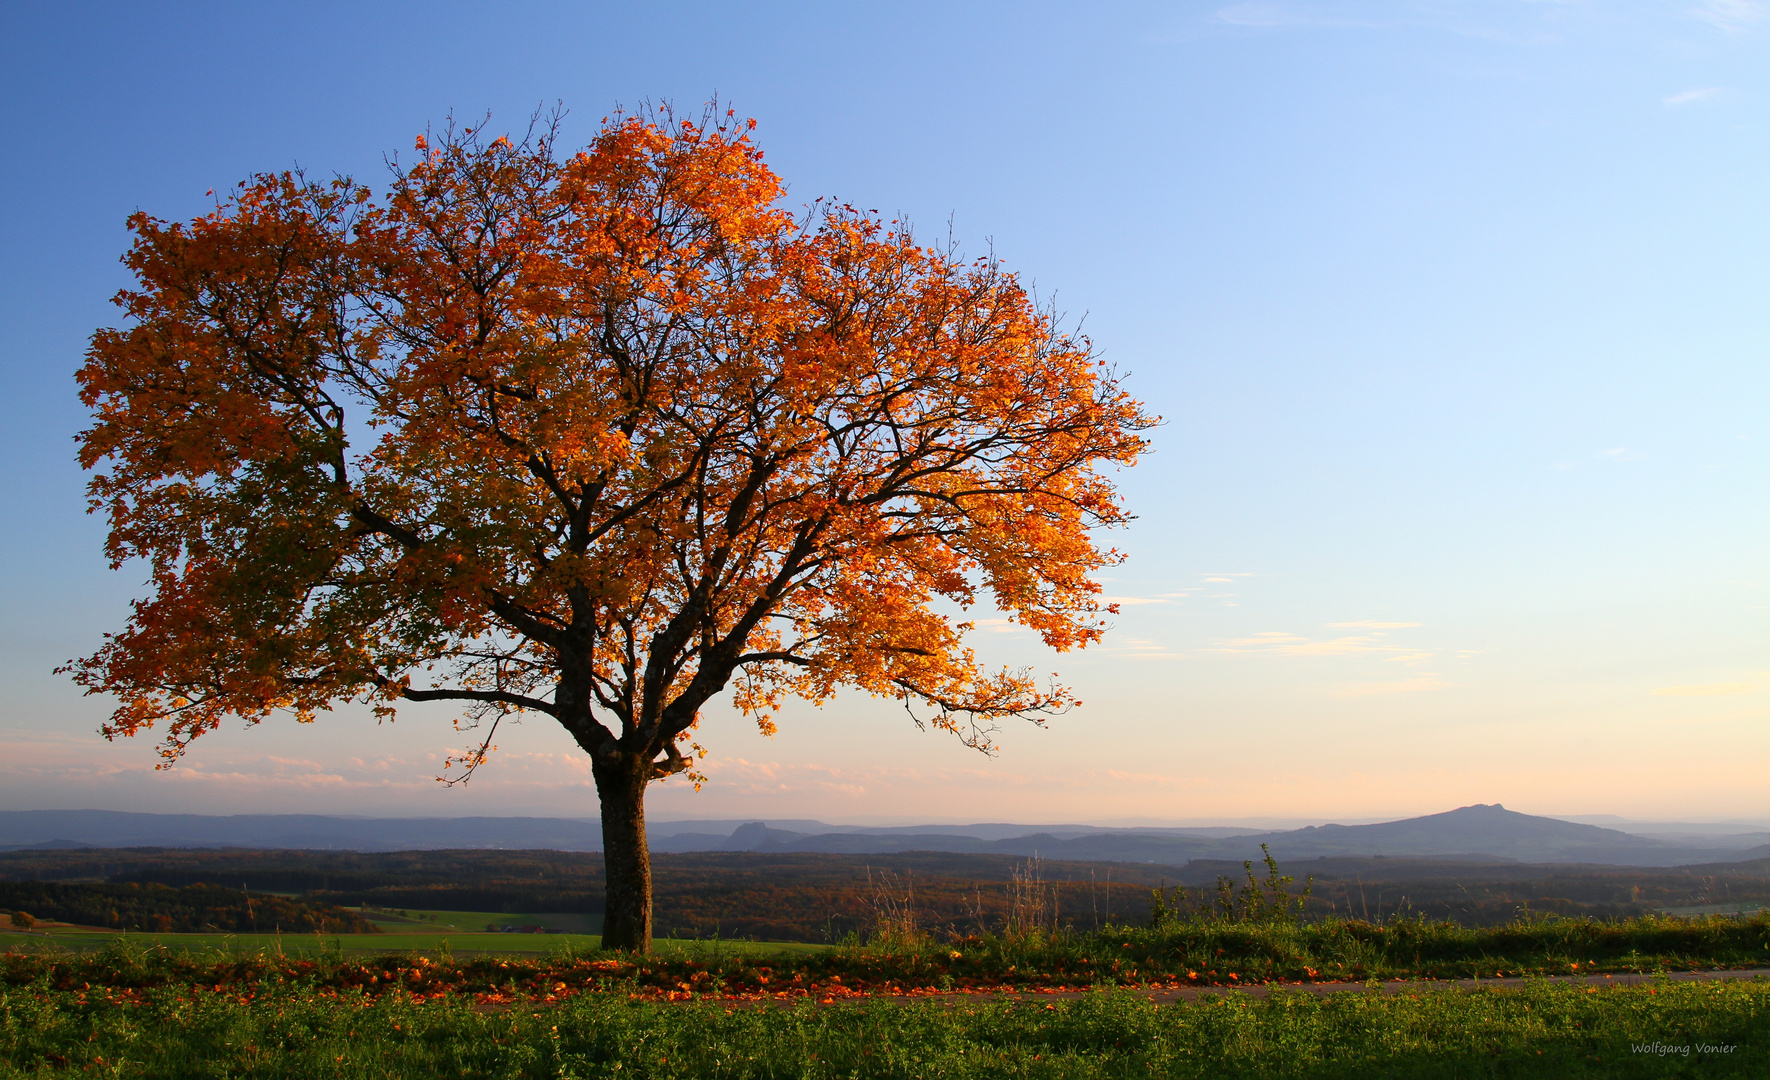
1267, 900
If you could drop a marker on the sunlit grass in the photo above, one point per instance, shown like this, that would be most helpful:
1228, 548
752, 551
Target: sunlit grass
129, 1006
1194, 952
433, 932
292, 1031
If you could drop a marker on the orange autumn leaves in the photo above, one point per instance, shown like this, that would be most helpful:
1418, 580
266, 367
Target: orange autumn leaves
599, 436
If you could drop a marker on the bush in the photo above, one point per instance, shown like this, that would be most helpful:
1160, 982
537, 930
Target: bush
1259, 901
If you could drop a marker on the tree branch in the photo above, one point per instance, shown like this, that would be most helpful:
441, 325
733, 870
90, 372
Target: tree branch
495, 697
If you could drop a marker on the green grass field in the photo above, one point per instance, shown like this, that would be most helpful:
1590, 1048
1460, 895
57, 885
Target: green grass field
421, 1003
430, 922
460, 932
1682, 1030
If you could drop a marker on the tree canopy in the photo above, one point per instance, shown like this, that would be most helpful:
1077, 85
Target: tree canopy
597, 435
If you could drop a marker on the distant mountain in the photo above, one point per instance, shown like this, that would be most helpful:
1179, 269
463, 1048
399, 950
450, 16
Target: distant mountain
1480, 830
117, 829
1472, 833
717, 829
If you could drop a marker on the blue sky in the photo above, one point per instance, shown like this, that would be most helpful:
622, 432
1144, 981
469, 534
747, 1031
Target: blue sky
1455, 312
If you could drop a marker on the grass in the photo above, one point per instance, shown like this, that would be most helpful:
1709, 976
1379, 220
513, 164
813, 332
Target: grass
235, 945
312, 944
295, 1030
719, 1009
430, 922
1208, 951
1199, 952
434, 932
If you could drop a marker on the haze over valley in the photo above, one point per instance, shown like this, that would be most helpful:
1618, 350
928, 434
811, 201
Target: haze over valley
1483, 832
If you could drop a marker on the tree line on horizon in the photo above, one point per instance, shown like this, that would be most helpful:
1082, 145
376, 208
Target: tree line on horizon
191, 909
816, 898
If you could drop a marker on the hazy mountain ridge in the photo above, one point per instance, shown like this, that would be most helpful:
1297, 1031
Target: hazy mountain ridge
121, 829
1479, 833
1471, 832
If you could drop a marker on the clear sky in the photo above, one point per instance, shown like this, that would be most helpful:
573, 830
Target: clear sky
1456, 312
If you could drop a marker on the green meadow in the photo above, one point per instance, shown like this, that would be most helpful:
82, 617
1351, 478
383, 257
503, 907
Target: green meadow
428, 997
1543, 1030
436, 941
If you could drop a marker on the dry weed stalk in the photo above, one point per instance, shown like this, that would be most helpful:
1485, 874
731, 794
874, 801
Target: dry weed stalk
1033, 903
894, 909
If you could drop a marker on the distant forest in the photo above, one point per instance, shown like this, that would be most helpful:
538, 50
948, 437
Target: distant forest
194, 908
820, 897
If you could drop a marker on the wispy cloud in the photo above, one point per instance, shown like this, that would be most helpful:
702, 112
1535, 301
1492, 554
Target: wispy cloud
1372, 643
1609, 453
1708, 690
1475, 20
999, 626
1731, 15
1284, 643
1692, 96
1129, 648
1540, 23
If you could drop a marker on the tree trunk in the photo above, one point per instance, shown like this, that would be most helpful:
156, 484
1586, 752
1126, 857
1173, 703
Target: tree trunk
626, 859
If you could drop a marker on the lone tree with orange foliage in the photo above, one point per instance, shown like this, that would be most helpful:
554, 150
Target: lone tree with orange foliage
597, 436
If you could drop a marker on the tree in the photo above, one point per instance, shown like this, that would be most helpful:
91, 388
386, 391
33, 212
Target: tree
596, 436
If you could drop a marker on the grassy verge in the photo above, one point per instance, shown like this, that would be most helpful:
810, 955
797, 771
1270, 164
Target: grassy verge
1196, 953
1207, 951
295, 1030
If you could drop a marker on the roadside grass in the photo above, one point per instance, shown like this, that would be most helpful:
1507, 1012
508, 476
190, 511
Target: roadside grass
737, 1009
297, 1030
1195, 952
1217, 951
492, 969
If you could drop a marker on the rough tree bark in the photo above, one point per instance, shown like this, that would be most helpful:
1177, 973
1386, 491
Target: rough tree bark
620, 786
